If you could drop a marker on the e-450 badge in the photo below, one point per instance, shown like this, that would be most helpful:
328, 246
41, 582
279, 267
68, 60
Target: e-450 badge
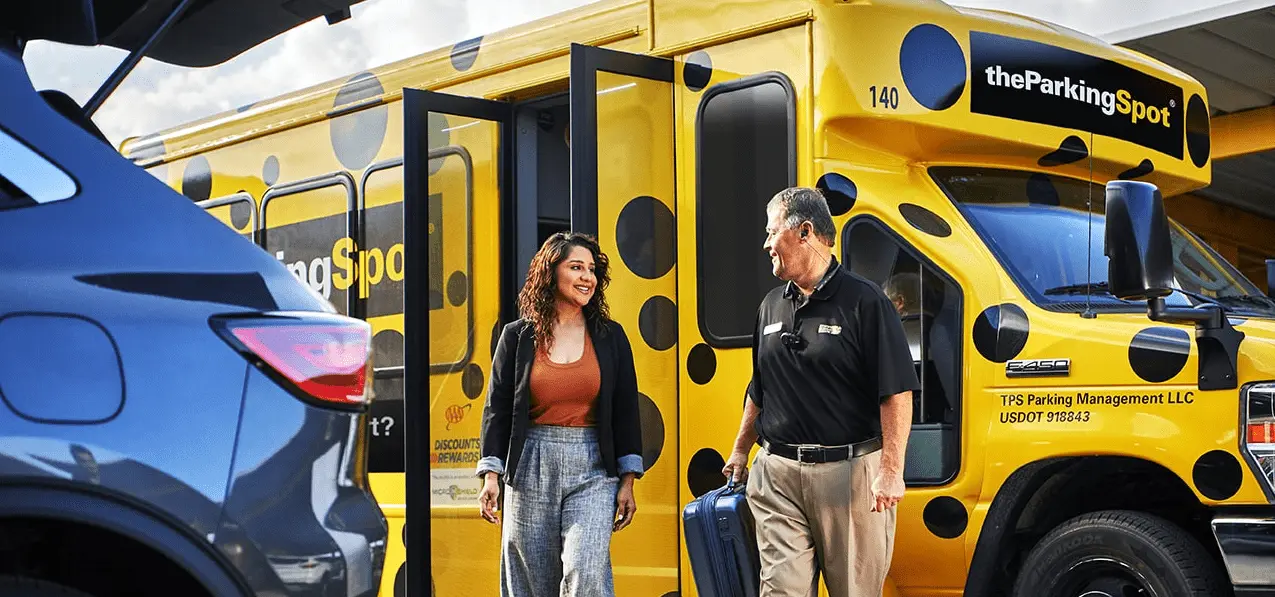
1038, 367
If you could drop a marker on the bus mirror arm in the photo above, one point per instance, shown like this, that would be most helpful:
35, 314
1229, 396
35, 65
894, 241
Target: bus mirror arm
1140, 267
1217, 340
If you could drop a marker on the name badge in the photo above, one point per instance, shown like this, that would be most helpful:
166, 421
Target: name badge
772, 328
829, 329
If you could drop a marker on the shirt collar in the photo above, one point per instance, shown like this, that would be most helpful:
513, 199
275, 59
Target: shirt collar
823, 289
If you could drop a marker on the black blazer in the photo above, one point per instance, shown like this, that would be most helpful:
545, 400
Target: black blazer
506, 418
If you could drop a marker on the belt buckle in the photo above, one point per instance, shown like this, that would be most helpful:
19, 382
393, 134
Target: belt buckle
801, 450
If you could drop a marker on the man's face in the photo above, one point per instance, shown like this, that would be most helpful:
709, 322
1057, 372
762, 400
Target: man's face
783, 246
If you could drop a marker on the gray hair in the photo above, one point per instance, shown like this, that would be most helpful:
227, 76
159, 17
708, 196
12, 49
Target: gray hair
804, 204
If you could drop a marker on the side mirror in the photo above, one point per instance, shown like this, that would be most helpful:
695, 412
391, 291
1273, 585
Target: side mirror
1270, 278
1140, 256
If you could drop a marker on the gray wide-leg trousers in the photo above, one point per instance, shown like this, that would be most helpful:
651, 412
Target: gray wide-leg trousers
558, 515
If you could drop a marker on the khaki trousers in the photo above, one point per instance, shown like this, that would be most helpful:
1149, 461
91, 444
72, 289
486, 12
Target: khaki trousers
814, 518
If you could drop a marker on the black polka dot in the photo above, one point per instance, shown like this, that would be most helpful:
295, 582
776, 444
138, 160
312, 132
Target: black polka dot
1143, 168
197, 179
658, 323
387, 348
240, 214
465, 53
400, 577
933, 66
439, 135
1072, 149
924, 220
945, 517
472, 381
357, 136
1157, 354
701, 363
457, 288
495, 335
1041, 190
270, 171
1000, 332
840, 192
704, 473
1218, 475
1197, 131
697, 71
652, 431
647, 237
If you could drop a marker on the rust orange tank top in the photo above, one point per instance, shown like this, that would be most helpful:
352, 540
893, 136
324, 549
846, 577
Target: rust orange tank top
565, 394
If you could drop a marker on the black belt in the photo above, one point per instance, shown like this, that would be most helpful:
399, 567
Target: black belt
819, 454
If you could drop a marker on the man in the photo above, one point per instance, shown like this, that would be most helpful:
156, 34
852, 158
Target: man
830, 404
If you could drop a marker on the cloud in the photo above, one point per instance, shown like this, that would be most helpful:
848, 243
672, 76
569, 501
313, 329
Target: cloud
157, 95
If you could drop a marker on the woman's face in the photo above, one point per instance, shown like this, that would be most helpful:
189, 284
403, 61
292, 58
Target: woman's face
575, 277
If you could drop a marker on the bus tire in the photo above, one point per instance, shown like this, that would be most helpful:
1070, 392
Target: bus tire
21, 586
1109, 552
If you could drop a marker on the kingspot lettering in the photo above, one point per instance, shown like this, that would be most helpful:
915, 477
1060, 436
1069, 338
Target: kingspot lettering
346, 266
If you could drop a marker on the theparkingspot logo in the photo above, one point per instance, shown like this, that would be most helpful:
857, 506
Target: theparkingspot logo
1110, 102
1029, 81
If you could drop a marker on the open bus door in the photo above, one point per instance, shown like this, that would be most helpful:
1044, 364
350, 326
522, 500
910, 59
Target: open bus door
623, 191
457, 194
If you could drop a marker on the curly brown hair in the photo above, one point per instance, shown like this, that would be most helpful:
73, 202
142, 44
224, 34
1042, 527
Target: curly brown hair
537, 302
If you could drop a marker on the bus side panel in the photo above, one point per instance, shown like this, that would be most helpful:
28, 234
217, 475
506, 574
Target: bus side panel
714, 374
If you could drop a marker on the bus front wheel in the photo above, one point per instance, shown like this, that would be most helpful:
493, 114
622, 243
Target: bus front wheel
1118, 553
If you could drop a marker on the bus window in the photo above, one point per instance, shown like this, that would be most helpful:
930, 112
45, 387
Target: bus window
746, 153
929, 305
238, 211
305, 226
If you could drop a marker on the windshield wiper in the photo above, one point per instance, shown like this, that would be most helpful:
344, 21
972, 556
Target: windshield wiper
1250, 299
1094, 287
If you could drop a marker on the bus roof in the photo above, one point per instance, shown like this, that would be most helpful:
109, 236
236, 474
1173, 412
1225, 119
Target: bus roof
626, 25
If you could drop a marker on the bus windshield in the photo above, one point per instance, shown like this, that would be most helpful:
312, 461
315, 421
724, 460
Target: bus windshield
1043, 232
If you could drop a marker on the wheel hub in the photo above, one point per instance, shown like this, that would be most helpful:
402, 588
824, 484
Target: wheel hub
1103, 577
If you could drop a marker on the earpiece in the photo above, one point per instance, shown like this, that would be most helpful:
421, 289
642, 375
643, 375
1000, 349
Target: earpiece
803, 233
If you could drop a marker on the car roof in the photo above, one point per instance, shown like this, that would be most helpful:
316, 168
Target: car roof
209, 32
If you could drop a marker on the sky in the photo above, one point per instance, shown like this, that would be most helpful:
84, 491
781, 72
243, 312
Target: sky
157, 96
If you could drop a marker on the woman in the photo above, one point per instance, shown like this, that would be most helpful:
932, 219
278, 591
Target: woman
561, 428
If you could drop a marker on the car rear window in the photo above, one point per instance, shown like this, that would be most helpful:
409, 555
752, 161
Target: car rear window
28, 178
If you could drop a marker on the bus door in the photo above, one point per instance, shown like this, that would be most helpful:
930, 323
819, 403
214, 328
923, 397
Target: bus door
622, 190
456, 198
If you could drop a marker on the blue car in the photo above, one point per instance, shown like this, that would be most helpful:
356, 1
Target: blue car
179, 415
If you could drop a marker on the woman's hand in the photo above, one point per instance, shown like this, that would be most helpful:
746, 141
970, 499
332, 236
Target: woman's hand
625, 507
488, 497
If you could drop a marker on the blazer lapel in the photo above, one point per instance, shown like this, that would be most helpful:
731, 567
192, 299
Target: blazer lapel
606, 364
525, 357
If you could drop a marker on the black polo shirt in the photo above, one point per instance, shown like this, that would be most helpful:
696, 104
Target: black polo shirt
824, 384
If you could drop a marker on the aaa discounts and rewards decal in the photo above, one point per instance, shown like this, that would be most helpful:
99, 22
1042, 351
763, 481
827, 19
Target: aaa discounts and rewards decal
1035, 82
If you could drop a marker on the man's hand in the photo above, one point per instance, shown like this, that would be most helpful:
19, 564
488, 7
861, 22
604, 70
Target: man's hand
887, 490
737, 467
625, 506
487, 498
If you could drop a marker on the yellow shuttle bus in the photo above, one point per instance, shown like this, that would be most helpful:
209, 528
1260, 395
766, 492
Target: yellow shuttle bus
1075, 434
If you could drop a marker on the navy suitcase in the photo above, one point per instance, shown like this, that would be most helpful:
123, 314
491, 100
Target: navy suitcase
721, 543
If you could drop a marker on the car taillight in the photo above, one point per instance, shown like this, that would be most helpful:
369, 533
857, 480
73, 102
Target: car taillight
1259, 432
322, 356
